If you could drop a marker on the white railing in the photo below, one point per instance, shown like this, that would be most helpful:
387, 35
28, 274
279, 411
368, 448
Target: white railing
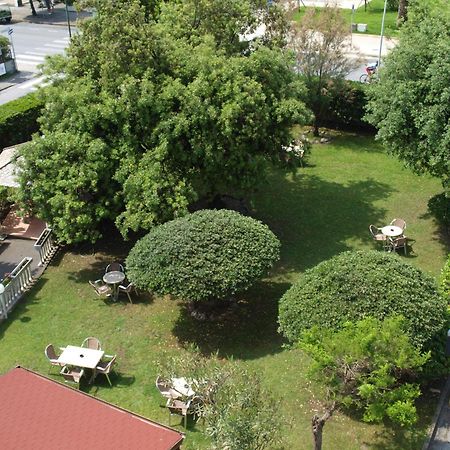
45, 246
20, 280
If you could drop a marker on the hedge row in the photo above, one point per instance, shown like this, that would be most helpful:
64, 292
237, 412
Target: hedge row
18, 120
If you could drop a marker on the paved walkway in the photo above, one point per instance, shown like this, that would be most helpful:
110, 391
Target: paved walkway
13, 250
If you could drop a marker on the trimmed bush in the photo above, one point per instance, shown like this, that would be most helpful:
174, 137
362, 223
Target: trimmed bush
354, 285
18, 120
209, 254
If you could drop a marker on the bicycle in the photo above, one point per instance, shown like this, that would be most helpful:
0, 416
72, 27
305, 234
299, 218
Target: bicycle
371, 74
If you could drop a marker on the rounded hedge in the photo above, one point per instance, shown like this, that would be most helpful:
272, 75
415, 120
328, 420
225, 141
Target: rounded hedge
354, 285
209, 254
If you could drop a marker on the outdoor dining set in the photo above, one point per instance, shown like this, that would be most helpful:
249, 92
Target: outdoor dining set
183, 397
110, 284
76, 362
391, 236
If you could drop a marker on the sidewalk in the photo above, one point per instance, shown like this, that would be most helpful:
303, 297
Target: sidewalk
369, 45
57, 17
15, 78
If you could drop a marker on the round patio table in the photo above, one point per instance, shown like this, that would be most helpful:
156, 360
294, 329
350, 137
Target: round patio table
114, 278
392, 231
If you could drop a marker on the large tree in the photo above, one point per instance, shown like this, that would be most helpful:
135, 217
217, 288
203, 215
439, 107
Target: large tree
144, 116
410, 105
319, 43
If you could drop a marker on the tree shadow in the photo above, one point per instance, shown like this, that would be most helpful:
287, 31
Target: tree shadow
314, 218
248, 331
22, 307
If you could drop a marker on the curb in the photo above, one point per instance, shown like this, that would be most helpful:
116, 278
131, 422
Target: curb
434, 424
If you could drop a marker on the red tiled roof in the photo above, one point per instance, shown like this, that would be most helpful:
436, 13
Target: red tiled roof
39, 413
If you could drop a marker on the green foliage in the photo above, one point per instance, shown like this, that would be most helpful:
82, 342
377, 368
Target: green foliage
205, 255
318, 44
18, 120
344, 104
353, 285
445, 280
5, 49
365, 365
238, 414
410, 104
180, 111
439, 206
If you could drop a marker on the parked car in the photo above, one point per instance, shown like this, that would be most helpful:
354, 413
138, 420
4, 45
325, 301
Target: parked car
5, 14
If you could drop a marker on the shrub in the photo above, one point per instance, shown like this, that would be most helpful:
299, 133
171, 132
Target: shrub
445, 280
344, 106
205, 255
18, 120
354, 285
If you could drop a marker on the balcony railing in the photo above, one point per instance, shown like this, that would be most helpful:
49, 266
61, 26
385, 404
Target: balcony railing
15, 285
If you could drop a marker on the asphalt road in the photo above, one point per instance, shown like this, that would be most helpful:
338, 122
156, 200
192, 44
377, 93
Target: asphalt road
32, 43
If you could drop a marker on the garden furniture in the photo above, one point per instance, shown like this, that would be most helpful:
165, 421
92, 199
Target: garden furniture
183, 408
400, 242
114, 278
377, 233
392, 231
115, 266
92, 342
399, 223
100, 288
52, 356
72, 375
105, 367
166, 389
127, 290
181, 386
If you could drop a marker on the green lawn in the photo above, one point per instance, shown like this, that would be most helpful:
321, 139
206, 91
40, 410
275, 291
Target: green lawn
372, 17
317, 212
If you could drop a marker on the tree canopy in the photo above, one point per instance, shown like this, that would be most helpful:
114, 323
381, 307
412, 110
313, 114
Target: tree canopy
206, 255
147, 115
410, 105
369, 365
357, 284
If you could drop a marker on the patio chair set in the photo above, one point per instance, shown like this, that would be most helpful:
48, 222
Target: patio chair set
391, 236
181, 398
110, 284
75, 362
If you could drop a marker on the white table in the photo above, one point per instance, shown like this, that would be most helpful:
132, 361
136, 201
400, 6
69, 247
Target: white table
114, 278
392, 231
81, 357
182, 386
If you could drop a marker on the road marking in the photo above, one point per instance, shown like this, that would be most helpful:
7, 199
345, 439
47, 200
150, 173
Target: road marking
60, 46
61, 41
36, 53
30, 83
30, 58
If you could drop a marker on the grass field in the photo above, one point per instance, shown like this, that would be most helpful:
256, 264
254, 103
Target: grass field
317, 212
372, 17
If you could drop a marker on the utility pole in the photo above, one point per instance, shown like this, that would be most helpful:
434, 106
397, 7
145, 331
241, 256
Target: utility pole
68, 21
382, 33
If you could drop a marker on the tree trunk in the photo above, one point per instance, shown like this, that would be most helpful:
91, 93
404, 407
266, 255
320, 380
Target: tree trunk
402, 12
33, 10
316, 128
317, 424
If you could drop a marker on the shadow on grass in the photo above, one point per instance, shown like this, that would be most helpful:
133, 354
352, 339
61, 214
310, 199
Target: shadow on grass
21, 308
248, 331
117, 380
314, 217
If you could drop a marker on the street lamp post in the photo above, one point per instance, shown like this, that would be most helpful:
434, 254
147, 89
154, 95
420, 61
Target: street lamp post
382, 33
68, 20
